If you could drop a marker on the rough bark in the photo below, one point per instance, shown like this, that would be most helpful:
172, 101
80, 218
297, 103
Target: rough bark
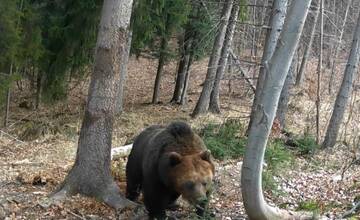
300, 74
123, 73
338, 46
214, 105
251, 182
39, 82
7, 102
204, 99
285, 94
276, 23
90, 174
345, 90
159, 71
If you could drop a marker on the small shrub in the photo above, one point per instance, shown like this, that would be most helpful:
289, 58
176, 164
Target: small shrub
224, 140
306, 144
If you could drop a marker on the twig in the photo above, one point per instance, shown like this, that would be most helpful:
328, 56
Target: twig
76, 215
11, 136
351, 211
20, 120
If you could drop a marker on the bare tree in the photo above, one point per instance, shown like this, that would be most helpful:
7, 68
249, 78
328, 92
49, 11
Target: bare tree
214, 106
276, 23
300, 74
345, 90
90, 174
159, 72
338, 46
251, 182
204, 99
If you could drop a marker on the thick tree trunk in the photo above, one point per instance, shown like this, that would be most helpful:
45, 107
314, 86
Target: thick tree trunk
251, 181
285, 94
338, 46
276, 23
345, 90
182, 70
214, 105
91, 174
123, 73
159, 72
204, 99
300, 74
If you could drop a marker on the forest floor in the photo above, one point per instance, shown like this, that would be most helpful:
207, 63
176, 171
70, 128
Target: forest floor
39, 147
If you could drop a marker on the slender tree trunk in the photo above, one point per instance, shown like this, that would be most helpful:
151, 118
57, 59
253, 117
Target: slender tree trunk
251, 184
319, 72
345, 90
8, 97
300, 74
90, 174
183, 99
285, 94
214, 105
276, 23
338, 46
204, 99
182, 70
159, 71
123, 72
39, 86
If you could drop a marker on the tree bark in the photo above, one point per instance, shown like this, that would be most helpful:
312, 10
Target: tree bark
182, 70
159, 71
204, 99
276, 23
285, 94
214, 105
183, 99
345, 90
251, 182
300, 74
91, 175
123, 73
338, 46
8, 97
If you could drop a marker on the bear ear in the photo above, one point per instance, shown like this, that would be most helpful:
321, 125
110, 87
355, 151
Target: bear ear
205, 155
174, 158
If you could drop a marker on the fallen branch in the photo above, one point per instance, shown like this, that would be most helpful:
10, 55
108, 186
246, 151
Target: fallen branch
243, 73
122, 151
12, 137
351, 211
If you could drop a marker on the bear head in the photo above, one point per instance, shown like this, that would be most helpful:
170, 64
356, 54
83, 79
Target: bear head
190, 175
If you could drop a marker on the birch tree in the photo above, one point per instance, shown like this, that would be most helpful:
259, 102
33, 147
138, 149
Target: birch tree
204, 99
276, 23
90, 174
345, 90
255, 205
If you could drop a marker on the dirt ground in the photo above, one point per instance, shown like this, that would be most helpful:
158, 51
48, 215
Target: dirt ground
33, 162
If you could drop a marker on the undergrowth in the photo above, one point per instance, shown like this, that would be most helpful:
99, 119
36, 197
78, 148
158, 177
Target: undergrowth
227, 141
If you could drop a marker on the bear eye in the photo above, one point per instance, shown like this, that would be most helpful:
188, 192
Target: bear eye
189, 185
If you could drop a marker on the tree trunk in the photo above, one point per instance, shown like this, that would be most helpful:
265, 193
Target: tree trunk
159, 71
91, 175
183, 99
338, 46
39, 86
204, 99
276, 23
182, 70
345, 90
214, 105
123, 72
285, 94
300, 74
319, 72
251, 183
8, 97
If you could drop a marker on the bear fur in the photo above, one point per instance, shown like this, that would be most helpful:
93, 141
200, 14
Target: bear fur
166, 162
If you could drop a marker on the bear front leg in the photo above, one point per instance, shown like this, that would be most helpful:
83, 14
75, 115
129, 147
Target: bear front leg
156, 200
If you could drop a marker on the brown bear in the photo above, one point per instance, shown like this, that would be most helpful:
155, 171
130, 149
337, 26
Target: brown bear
166, 162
